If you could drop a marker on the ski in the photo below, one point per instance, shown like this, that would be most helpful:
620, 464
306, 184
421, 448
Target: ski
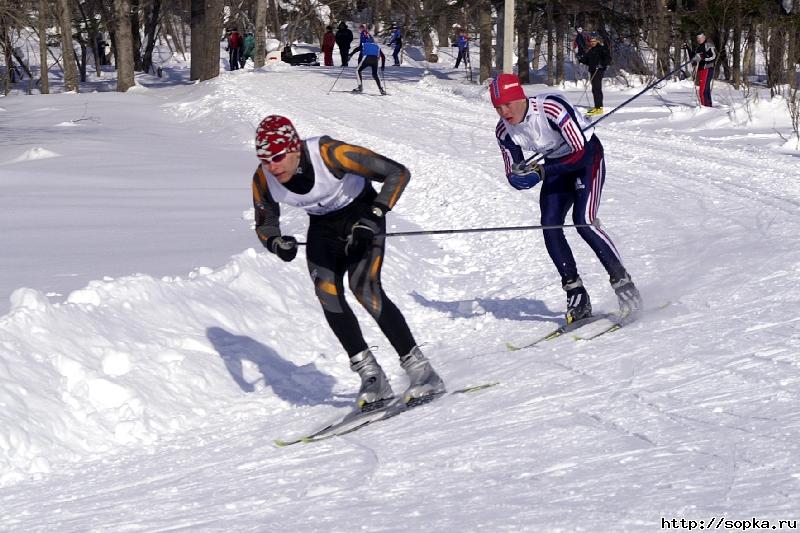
613, 322
356, 420
559, 331
617, 321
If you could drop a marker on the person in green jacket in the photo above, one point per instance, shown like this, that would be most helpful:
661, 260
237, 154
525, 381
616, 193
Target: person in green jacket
249, 48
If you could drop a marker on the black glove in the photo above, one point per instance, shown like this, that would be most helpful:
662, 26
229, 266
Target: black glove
283, 247
364, 231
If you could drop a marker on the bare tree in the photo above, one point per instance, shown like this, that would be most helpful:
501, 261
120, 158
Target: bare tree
206, 24
151, 31
485, 29
68, 52
124, 45
261, 45
44, 80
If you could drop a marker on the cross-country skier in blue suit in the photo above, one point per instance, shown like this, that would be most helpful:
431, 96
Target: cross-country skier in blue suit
572, 175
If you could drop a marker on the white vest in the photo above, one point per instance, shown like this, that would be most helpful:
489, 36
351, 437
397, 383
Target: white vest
534, 134
328, 194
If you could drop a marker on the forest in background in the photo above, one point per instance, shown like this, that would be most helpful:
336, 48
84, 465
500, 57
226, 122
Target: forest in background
758, 40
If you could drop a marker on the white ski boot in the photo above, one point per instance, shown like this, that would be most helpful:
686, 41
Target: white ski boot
424, 383
375, 390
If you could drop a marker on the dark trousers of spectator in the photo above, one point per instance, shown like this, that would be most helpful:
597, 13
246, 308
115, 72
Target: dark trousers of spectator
233, 58
345, 52
396, 53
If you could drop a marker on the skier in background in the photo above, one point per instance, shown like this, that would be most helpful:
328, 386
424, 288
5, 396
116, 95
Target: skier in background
363, 37
572, 175
397, 41
369, 52
332, 181
704, 56
597, 58
462, 42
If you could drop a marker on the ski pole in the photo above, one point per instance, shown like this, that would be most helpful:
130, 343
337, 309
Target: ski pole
536, 158
595, 224
337, 79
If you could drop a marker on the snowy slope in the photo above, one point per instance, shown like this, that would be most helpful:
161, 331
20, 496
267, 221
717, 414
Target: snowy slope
145, 392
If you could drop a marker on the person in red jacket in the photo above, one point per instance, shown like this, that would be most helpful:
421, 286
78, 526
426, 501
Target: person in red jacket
328, 40
234, 48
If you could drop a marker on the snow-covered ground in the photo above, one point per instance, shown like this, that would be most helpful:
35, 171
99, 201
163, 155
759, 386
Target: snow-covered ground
152, 351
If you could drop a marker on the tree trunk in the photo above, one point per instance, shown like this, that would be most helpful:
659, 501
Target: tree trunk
136, 35
206, 32
68, 52
260, 53
44, 80
749, 51
151, 30
485, 29
522, 24
122, 14
549, 12
559, 23
537, 48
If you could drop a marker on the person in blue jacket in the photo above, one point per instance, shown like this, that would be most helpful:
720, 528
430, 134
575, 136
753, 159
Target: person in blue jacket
369, 53
363, 37
462, 42
397, 41
572, 173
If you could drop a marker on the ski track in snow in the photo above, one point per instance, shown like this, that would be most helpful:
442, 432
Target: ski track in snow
690, 412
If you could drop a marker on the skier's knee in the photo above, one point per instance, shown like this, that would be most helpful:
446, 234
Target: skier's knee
328, 291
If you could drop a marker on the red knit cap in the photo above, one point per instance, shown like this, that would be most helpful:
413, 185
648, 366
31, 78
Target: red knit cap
506, 88
276, 135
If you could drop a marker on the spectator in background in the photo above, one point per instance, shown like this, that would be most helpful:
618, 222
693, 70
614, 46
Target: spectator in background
249, 48
234, 48
328, 40
344, 36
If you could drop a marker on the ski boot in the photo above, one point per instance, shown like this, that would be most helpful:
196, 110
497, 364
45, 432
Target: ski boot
578, 304
383, 91
424, 383
630, 301
594, 111
358, 89
375, 390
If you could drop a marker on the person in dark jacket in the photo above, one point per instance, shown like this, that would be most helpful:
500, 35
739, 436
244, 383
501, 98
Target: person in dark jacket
704, 56
344, 36
328, 41
597, 58
333, 182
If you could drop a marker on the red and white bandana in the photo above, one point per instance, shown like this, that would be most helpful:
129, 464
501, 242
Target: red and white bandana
275, 135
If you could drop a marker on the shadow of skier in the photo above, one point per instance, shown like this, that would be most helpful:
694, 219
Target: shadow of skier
299, 385
512, 309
